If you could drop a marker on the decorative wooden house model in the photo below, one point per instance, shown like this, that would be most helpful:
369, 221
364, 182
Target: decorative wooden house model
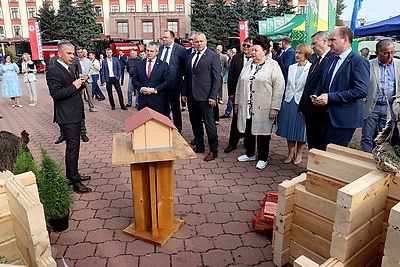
150, 131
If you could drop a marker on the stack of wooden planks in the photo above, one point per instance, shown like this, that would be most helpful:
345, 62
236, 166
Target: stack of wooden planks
333, 214
23, 235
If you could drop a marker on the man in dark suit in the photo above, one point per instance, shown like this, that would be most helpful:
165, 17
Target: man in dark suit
122, 61
277, 59
151, 80
341, 90
235, 68
111, 73
202, 80
312, 114
68, 110
173, 54
288, 54
130, 67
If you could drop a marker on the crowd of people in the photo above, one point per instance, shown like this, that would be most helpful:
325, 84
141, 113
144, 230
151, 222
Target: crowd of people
316, 98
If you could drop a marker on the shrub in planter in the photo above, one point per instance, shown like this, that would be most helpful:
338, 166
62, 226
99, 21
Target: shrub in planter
24, 162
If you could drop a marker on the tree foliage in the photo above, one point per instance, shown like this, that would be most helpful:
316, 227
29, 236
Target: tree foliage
74, 21
339, 10
237, 12
255, 11
283, 7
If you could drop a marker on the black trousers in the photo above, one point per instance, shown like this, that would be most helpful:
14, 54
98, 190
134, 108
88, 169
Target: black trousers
262, 143
115, 82
175, 107
314, 132
197, 111
234, 134
332, 135
72, 135
158, 108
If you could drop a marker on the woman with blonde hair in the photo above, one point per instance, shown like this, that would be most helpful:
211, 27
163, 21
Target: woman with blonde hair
10, 85
29, 70
290, 124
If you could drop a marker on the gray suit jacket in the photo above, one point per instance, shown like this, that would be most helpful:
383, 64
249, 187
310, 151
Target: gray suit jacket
374, 84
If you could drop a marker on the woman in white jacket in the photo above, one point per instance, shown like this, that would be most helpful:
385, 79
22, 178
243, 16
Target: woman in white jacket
29, 71
290, 124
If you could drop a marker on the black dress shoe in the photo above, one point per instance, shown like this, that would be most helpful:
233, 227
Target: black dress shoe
85, 138
124, 108
230, 148
60, 139
85, 177
81, 188
224, 117
199, 149
112, 108
128, 106
101, 99
211, 156
195, 142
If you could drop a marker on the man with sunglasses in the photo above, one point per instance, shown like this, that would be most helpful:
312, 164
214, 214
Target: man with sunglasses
237, 63
384, 81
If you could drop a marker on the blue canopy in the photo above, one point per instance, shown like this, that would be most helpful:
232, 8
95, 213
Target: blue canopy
385, 27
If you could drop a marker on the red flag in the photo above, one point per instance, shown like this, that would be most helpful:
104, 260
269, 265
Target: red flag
35, 40
243, 30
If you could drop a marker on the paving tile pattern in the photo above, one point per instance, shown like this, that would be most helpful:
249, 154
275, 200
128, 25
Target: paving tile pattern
216, 199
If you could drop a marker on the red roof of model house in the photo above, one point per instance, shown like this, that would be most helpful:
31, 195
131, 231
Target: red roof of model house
145, 115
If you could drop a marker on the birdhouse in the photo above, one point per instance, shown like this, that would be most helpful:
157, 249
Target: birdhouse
150, 131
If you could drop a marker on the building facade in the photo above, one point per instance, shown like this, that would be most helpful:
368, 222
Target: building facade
136, 19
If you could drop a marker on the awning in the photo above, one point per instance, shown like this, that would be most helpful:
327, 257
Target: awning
288, 27
385, 27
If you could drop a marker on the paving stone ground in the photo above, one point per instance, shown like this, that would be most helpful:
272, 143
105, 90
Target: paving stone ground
216, 199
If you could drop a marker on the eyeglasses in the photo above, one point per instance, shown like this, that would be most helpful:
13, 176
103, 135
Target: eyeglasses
391, 53
247, 45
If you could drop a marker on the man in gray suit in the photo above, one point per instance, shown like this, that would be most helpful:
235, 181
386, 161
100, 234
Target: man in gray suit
202, 80
384, 81
87, 70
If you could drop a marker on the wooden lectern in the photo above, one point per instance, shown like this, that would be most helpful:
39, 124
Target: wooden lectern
152, 175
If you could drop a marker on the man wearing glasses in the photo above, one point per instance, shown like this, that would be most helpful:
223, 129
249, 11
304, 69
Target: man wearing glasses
383, 82
237, 63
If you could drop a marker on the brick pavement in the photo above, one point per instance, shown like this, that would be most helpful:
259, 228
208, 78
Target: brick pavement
216, 199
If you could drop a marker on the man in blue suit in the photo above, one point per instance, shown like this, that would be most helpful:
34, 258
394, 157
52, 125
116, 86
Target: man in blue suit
288, 54
111, 73
344, 84
174, 55
150, 78
202, 80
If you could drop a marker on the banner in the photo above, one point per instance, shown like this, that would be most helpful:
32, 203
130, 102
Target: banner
278, 22
270, 24
311, 19
243, 30
332, 4
262, 27
35, 41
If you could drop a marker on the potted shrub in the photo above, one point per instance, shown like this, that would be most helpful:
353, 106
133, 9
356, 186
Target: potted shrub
55, 193
24, 162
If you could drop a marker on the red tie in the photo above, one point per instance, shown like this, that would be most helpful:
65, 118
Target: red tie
316, 66
149, 69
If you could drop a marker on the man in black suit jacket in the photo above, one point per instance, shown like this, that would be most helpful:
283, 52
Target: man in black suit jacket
202, 80
288, 54
151, 80
236, 67
173, 54
68, 110
312, 114
122, 61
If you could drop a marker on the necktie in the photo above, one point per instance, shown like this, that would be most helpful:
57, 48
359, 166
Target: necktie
315, 66
149, 69
248, 58
195, 61
325, 88
166, 54
70, 71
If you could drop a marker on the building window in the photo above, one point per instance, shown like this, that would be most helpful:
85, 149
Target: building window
14, 12
179, 8
98, 10
1, 13
114, 9
147, 26
31, 12
17, 30
130, 8
172, 26
122, 27
301, 10
146, 8
101, 26
2, 30
163, 8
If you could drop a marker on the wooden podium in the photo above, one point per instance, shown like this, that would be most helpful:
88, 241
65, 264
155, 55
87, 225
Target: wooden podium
152, 175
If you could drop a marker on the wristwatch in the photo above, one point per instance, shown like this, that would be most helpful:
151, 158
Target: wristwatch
155, 91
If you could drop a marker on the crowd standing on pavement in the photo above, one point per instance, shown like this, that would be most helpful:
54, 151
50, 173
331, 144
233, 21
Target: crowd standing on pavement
316, 99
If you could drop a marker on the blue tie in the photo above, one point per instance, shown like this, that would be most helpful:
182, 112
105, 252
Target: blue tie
325, 88
166, 54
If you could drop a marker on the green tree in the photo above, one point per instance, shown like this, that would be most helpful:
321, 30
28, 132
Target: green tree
46, 17
25, 162
219, 15
339, 10
255, 11
88, 28
237, 13
283, 7
200, 15
66, 21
